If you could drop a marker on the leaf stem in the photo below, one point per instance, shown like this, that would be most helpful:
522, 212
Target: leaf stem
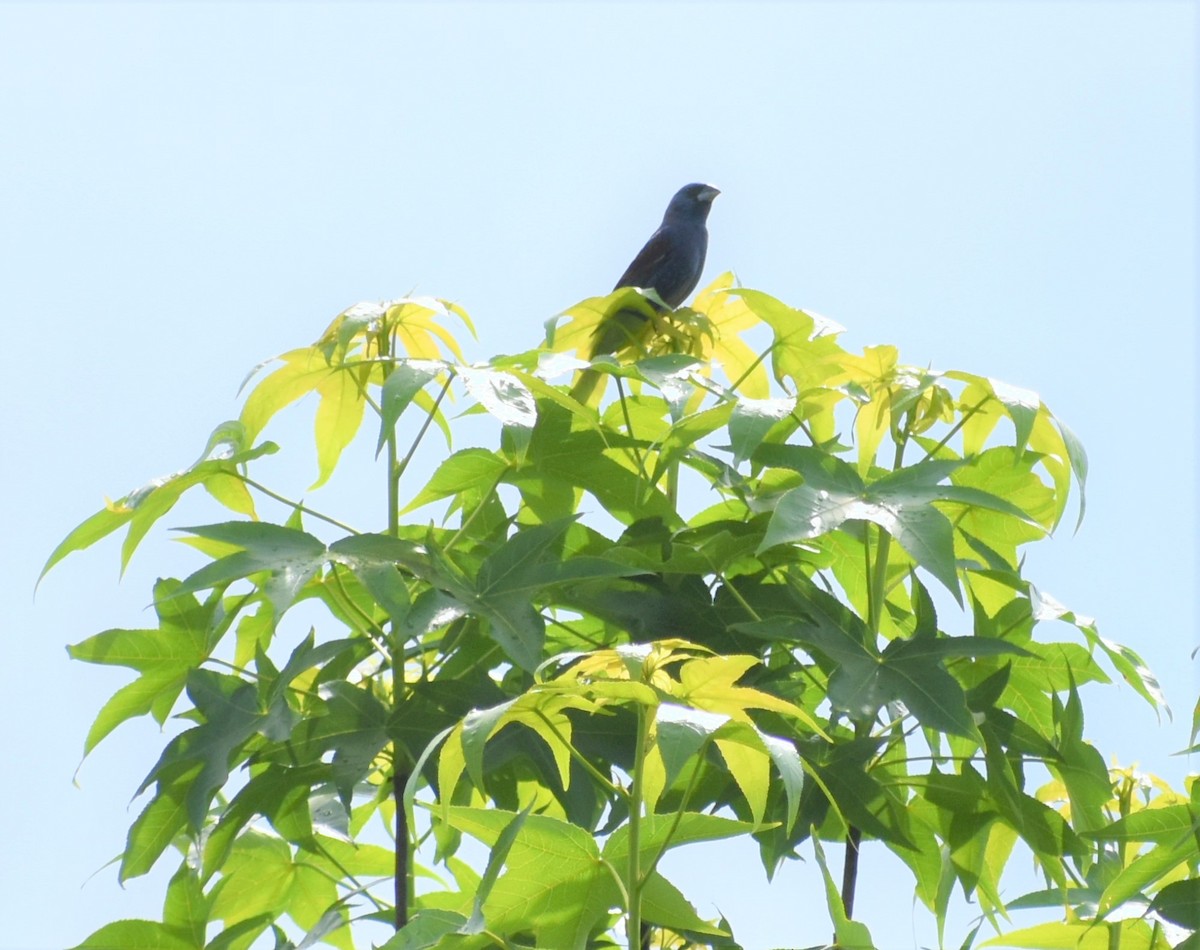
368, 628
298, 506
876, 595
578, 757
732, 588
346, 874
400, 468
637, 455
967, 414
877, 592
877, 572
751, 368
402, 873
633, 920
678, 816
467, 521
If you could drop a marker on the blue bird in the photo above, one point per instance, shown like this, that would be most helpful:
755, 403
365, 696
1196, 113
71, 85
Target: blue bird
670, 264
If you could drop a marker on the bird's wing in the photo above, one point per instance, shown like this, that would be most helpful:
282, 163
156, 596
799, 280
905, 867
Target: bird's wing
647, 266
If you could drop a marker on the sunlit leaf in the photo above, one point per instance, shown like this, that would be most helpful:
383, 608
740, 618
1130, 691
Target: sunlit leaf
291, 557
142, 508
850, 934
137, 935
1180, 903
466, 469
1079, 936
399, 390
501, 394
752, 419
163, 657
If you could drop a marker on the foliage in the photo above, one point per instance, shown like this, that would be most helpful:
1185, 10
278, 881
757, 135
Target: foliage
582, 668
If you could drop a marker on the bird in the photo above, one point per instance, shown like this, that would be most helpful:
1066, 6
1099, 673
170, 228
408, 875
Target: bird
670, 264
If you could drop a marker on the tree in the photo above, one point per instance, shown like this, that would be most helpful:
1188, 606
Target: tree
752, 648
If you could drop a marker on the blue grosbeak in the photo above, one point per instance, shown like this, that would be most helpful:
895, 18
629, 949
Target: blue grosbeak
670, 264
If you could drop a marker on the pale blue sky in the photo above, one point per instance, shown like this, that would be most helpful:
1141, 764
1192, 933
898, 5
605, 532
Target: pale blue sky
186, 189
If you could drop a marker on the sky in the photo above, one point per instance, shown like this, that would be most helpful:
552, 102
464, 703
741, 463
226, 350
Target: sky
1007, 188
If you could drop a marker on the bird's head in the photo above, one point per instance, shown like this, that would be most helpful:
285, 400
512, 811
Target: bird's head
692, 201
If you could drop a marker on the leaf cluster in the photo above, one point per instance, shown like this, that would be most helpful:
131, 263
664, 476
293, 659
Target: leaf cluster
693, 600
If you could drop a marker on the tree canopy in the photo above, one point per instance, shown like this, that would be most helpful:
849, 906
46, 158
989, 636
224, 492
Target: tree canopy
753, 584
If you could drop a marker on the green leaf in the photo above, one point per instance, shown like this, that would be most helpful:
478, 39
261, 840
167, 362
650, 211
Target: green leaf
562, 458
900, 504
509, 580
671, 374
681, 732
329, 922
1145, 871
425, 930
1128, 663
186, 906
665, 905
259, 879
649, 610
1040, 827
163, 656
138, 935
291, 557
751, 421
496, 858
354, 728
791, 771
1022, 406
1190, 942
805, 348
141, 508
231, 716
158, 824
840, 771
1180, 903
912, 671
466, 470
820, 469
685, 434
502, 394
1079, 465
241, 935
554, 884
850, 934
1081, 767
1078, 936
1052, 668
401, 386
660, 833
659, 830
386, 586
1164, 825
380, 550
541, 711
1001, 472
103, 523
280, 794
909, 670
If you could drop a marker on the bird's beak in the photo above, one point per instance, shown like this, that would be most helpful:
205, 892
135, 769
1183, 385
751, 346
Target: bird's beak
709, 193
